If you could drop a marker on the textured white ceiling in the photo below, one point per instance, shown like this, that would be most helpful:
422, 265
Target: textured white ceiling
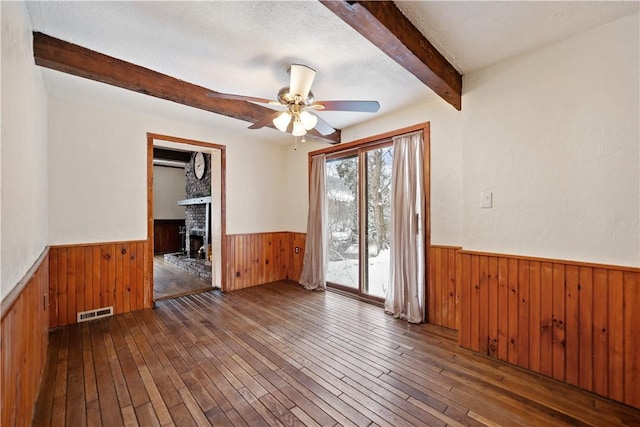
245, 47
475, 34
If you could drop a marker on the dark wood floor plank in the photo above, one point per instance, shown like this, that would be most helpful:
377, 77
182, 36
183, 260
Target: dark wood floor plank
181, 417
76, 409
125, 355
280, 412
129, 416
58, 413
266, 417
146, 415
164, 373
227, 383
329, 409
217, 418
141, 353
304, 418
44, 404
90, 387
93, 414
120, 364
110, 413
235, 418
279, 355
192, 406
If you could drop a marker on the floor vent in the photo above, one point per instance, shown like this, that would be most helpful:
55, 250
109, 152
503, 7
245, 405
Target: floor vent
98, 313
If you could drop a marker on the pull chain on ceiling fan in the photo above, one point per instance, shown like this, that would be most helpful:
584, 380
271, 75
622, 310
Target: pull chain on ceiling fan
298, 99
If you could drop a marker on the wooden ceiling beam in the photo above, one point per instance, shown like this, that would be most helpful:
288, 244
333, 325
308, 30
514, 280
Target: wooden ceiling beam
384, 25
72, 59
167, 154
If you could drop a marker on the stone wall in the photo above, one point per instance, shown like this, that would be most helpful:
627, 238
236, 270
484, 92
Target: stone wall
195, 215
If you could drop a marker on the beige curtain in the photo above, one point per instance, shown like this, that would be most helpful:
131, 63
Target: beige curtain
314, 267
405, 297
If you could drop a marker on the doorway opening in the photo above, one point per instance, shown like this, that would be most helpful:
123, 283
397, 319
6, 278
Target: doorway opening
186, 215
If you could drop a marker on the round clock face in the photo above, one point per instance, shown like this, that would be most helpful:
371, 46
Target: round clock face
199, 165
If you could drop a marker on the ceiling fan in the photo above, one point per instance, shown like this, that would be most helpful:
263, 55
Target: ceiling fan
299, 102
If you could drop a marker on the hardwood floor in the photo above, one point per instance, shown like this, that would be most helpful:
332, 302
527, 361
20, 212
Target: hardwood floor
170, 281
279, 355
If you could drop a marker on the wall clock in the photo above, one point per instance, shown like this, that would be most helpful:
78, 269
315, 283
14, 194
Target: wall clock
199, 165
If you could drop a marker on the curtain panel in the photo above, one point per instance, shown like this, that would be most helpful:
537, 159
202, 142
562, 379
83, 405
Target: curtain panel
314, 267
405, 297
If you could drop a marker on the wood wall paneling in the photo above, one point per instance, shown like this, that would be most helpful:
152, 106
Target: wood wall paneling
631, 338
444, 286
166, 235
575, 322
86, 277
23, 345
297, 241
258, 258
502, 343
464, 334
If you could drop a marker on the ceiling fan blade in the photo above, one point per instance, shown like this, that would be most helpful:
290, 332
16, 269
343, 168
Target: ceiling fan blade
265, 121
360, 106
323, 127
240, 98
301, 80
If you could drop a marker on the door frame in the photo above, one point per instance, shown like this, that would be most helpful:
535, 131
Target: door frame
151, 137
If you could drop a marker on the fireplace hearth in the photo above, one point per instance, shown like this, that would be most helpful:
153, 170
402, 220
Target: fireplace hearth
198, 267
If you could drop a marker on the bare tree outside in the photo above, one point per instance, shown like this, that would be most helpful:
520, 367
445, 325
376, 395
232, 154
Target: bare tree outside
343, 196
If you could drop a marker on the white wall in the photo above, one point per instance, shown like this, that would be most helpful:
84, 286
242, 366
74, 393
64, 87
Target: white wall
24, 150
554, 135
97, 174
168, 188
297, 184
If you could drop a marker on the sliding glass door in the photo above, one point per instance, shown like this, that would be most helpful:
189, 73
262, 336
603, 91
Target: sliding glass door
359, 209
344, 230
377, 220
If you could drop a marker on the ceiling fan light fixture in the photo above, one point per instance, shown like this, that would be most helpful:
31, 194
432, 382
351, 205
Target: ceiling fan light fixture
298, 128
282, 121
301, 80
308, 120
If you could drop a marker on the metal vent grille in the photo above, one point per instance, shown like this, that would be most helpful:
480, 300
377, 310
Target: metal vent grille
98, 313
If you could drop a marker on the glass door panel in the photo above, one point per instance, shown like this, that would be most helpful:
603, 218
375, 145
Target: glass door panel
377, 221
343, 221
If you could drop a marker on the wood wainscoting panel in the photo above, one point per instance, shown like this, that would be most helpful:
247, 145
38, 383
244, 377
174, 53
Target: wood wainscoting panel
258, 258
86, 277
443, 287
572, 321
166, 235
23, 344
297, 258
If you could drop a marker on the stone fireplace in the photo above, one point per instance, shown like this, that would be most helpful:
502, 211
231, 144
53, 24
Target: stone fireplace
197, 222
196, 241
197, 213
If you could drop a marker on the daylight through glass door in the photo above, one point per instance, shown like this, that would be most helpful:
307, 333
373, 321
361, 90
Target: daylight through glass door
359, 210
343, 222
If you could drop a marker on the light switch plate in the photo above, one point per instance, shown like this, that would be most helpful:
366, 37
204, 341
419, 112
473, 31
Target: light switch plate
486, 199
